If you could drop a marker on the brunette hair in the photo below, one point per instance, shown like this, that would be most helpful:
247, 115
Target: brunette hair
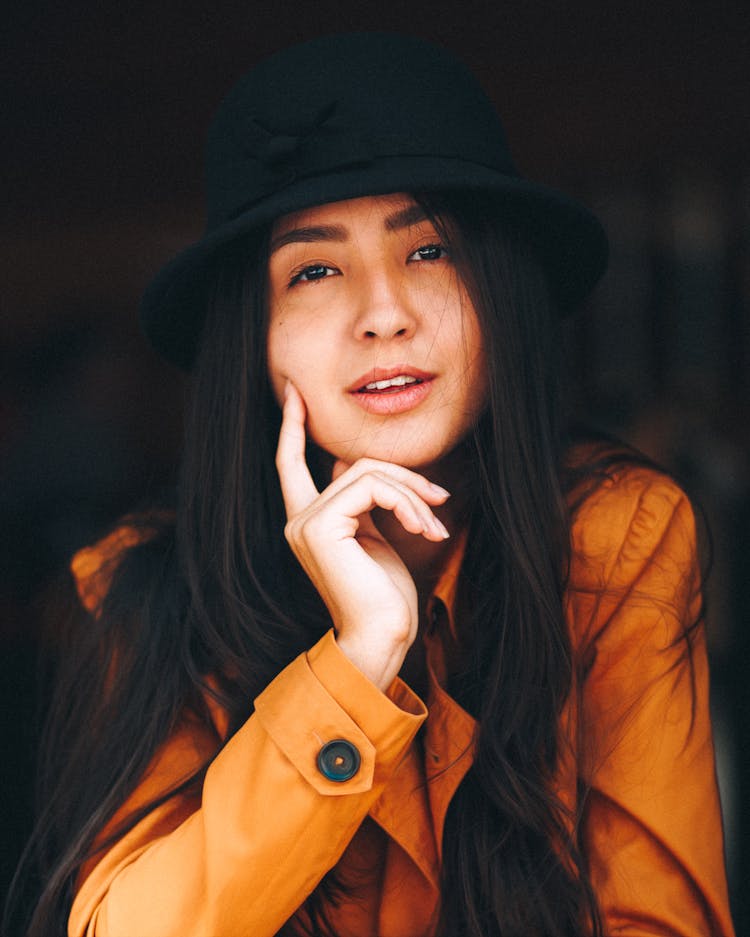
215, 590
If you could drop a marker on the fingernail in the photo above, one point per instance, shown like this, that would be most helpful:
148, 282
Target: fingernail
441, 528
440, 491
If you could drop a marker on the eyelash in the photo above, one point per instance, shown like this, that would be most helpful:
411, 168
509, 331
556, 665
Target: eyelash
303, 276
430, 247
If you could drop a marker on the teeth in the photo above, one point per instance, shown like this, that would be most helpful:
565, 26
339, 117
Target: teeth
397, 381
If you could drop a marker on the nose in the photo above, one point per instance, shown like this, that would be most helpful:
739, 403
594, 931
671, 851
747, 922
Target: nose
385, 309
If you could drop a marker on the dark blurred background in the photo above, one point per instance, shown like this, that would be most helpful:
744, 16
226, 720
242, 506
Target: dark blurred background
640, 109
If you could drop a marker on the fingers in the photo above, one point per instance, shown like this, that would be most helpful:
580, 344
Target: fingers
413, 512
297, 485
342, 514
344, 474
417, 491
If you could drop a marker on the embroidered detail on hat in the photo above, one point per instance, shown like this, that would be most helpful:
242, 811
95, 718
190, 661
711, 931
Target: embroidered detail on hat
281, 153
274, 145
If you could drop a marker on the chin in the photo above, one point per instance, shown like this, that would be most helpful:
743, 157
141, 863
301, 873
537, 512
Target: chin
409, 456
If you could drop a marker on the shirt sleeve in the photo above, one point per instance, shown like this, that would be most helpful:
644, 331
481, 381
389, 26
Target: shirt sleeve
241, 856
652, 827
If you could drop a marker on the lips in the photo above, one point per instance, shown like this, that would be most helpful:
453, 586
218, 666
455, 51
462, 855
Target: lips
389, 380
388, 391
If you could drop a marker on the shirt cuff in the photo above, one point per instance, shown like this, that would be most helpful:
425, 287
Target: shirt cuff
321, 697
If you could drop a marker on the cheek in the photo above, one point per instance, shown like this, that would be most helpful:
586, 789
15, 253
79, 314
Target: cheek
463, 334
297, 351
276, 372
285, 345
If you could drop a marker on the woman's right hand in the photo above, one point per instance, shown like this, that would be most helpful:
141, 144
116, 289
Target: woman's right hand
365, 585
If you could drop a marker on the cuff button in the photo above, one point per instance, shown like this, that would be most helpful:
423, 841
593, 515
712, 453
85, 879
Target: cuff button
338, 760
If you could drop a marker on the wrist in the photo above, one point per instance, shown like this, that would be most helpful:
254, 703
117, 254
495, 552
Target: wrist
379, 662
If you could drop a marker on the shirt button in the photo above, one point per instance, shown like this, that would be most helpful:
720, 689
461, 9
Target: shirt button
338, 760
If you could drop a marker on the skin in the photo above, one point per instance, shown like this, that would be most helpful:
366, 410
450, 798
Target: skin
353, 286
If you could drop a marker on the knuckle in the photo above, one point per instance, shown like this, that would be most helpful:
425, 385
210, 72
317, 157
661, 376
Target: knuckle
281, 459
312, 525
368, 465
291, 530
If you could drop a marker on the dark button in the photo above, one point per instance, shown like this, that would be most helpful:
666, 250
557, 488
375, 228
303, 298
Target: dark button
338, 760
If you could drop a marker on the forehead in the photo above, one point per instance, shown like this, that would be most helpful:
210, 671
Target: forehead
396, 209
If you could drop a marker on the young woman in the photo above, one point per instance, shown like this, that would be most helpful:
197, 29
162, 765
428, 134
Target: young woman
406, 658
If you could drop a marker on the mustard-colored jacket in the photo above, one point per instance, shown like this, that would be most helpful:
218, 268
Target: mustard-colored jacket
240, 860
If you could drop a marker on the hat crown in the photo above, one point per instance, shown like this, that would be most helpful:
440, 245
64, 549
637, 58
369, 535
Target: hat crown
343, 101
355, 115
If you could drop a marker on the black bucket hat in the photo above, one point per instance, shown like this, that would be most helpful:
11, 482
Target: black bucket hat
346, 116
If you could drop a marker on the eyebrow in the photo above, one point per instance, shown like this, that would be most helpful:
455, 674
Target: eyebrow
329, 232
403, 218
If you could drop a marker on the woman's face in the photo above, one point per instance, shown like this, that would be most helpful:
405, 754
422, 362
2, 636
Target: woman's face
370, 321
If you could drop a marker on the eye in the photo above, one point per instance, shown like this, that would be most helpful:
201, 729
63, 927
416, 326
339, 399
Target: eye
313, 272
428, 252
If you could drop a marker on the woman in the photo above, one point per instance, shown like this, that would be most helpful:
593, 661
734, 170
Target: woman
466, 694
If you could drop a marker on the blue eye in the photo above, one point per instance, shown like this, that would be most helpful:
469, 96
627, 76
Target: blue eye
429, 252
312, 273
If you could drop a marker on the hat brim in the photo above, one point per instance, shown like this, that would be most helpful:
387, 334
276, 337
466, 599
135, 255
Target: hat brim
569, 240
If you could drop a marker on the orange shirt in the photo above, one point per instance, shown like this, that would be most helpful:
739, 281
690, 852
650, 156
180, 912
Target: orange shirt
240, 859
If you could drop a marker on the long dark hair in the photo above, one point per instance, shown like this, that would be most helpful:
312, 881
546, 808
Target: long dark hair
216, 591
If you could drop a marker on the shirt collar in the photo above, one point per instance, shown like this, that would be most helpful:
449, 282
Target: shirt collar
447, 585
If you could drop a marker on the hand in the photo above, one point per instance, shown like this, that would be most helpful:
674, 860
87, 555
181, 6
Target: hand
365, 585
